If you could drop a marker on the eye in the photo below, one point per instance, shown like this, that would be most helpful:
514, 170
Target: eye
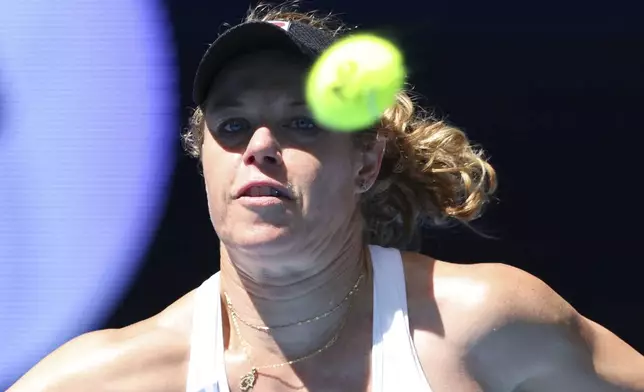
303, 123
234, 125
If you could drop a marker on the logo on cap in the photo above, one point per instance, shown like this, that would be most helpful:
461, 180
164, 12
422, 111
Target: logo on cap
285, 25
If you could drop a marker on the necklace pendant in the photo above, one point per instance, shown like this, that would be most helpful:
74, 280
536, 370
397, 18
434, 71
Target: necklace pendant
247, 382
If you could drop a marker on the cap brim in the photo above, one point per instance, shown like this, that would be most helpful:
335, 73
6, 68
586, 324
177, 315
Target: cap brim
237, 41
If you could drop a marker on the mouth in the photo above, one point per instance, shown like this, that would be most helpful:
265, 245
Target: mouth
258, 191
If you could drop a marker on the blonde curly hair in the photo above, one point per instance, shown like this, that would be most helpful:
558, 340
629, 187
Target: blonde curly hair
431, 172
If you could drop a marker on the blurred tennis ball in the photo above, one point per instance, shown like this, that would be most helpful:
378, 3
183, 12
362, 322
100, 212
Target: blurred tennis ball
354, 81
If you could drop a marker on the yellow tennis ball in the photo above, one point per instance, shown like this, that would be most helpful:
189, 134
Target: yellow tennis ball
354, 81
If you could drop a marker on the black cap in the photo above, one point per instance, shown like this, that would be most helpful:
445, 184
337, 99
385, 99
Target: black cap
257, 35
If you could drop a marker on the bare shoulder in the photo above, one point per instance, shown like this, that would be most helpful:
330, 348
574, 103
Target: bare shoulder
489, 294
149, 355
509, 326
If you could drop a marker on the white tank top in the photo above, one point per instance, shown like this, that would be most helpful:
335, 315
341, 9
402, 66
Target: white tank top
394, 360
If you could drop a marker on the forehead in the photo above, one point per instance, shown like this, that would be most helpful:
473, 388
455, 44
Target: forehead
266, 71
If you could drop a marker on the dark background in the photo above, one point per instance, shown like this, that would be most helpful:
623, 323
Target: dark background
551, 90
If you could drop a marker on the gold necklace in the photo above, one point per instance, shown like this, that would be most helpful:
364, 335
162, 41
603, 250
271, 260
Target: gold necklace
247, 381
264, 328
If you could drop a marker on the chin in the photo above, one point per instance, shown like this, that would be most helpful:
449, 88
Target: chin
264, 237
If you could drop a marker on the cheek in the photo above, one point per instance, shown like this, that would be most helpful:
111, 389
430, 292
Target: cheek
218, 172
324, 181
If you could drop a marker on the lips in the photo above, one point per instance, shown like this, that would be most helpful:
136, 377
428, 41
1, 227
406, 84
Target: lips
264, 190
257, 191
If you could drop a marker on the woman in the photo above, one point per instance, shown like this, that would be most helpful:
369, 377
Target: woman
314, 293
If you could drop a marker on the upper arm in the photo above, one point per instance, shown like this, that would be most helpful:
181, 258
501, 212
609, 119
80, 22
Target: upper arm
113, 360
150, 355
613, 359
535, 341
69, 363
604, 363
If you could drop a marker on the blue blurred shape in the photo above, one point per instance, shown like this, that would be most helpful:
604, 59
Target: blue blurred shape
86, 152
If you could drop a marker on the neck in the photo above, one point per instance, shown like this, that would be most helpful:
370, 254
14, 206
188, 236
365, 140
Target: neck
277, 290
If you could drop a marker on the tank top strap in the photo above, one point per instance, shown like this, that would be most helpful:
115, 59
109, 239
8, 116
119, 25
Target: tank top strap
394, 361
206, 368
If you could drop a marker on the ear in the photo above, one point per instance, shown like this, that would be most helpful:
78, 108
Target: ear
369, 165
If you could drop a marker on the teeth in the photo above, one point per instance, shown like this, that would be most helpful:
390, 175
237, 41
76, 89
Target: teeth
257, 191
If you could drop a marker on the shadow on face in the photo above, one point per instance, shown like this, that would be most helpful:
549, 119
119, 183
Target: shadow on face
264, 89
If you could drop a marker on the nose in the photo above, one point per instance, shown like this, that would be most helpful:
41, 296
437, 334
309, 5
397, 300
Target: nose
263, 148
